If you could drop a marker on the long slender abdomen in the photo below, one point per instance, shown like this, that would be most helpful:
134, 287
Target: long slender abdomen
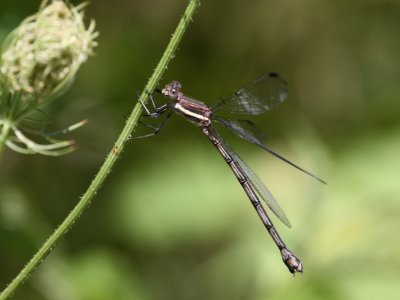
291, 261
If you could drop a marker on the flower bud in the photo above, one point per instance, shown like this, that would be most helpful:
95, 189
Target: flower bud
38, 62
40, 58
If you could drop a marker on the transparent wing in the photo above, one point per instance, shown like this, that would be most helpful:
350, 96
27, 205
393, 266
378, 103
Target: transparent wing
257, 97
262, 190
245, 126
259, 187
250, 136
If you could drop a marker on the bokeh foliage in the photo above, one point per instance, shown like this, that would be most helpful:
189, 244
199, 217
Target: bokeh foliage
171, 222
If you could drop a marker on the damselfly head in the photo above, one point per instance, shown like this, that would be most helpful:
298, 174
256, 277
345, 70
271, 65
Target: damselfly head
172, 90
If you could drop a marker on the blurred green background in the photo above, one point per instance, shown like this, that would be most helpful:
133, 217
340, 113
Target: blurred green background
171, 222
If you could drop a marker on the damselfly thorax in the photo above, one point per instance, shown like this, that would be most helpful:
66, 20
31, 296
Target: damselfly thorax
195, 111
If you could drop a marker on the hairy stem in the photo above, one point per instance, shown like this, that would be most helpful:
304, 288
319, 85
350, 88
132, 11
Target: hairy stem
111, 158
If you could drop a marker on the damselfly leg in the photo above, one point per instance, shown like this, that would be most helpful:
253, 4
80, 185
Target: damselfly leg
158, 112
155, 129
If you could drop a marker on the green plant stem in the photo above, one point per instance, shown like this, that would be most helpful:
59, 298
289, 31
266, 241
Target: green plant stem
5, 129
111, 158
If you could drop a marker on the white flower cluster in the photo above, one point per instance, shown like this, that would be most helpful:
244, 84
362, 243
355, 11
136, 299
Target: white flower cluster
38, 62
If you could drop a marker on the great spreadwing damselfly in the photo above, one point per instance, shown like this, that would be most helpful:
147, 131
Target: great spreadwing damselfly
257, 97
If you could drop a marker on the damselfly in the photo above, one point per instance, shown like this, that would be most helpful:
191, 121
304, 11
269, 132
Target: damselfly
257, 97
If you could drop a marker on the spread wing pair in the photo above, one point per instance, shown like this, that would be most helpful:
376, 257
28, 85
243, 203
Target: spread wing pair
257, 97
